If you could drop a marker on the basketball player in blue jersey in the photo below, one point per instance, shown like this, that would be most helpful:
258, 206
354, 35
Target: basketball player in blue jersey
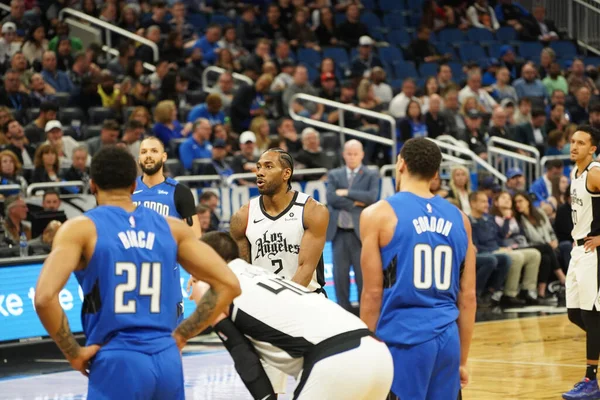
418, 265
123, 258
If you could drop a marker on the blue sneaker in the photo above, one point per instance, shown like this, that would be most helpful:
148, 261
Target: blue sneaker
583, 390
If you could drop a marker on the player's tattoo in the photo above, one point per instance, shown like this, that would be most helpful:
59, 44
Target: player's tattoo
237, 227
192, 325
65, 340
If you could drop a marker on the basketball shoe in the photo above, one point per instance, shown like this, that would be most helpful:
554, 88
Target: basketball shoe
586, 389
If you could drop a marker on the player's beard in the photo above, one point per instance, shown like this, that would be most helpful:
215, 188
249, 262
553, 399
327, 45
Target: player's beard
269, 189
153, 169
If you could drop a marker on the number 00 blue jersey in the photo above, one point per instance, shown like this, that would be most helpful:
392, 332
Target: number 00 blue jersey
130, 284
422, 265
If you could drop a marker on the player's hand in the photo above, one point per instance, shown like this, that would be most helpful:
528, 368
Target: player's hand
81, 363
591, 242
179, 340
464, 376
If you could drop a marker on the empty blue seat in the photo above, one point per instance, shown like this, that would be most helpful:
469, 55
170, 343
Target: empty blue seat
399, 38
394, 21
479, 35
506, 34
369, 4
592, 61
391, 55
494, 49
530, 50
457, 70
389, 70
451, 35
339, 55
370, 20
197, 20
413, 4
405, 69
220, 19
564, 49
396, 84
309, 57
446, 48
391, 5
471, 52
428, 69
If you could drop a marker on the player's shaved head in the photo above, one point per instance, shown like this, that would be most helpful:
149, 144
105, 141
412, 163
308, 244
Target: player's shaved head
223, 244
422, 158
113, 168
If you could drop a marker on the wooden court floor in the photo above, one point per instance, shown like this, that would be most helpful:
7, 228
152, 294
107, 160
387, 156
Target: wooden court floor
528, 358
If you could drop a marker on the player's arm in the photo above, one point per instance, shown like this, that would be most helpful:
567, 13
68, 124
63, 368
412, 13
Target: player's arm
371, 266
467, 303
65, 257
185, 205
204, 264
316, 219
237, 229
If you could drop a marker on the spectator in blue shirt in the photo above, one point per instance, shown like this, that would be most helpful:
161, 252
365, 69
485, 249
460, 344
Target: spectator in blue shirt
208, 44
166, 126
211, 110
528, 85
197, 145
219, 166
59, 80
541, 188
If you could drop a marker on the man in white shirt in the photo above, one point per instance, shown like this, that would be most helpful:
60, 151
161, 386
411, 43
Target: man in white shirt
400, 102
473, 89
8, 43
382, 90
64, 145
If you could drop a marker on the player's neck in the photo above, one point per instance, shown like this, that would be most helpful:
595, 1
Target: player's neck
417, 187
153, 180
581, 165
116, 199
278, 202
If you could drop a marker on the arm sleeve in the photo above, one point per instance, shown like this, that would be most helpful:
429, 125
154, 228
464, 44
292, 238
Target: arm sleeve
184, 203
246, 360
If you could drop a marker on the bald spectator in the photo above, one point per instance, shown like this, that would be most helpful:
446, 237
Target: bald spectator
78, 170
474, 89
499, 125
59, 80
210, 110
544, 29
400, 101
307, 109
312, 155
43, 244
109, 135
529, 85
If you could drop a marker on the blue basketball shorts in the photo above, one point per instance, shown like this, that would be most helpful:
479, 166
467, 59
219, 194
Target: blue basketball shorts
128, 374
429, 370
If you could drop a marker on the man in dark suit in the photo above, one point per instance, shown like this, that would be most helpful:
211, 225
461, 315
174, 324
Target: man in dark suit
533, 133
349, 190
544, 29
16, 136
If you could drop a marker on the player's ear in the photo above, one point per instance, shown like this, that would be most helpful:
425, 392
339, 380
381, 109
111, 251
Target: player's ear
164, 156
93, 187
132, 187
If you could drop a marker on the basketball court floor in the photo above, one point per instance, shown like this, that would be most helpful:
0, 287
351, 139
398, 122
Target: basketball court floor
531, 356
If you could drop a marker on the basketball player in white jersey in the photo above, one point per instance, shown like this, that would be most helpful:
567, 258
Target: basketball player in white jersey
329, 351
582, 284
282, 231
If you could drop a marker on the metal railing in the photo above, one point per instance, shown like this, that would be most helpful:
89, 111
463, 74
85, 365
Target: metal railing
10, 188
340, 128
563, 157
503, 154
53, 185
109, 29
237, 78
115, 53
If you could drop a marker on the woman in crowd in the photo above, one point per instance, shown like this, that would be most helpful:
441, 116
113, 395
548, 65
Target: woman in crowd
142, 115
35, 44
167, 126
260, 127
10, 172
327, 65
540, 235
325, 32
431, 87
226, 61
460, 187
46, 163
413, 125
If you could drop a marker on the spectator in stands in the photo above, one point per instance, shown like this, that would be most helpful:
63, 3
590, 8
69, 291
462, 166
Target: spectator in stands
580, 110
51, 200
434, 17
352, 29
499, 125
248, 29
42, 245
547, 57
203, 213
8, 42
15, 210
515, 181
46, 163
460, 187
326, 32
367, 100
454, 121
529, 85
544, 30
262, 53
158, 18
208, 44
78, 171
399, 103
260, 127
541, 236
282, 53
555, 81
502, 89
62, 29
482, 15
64, 58
287, 132
108, 13
444, 77
508, 59
197, 145
18, 18
533, 133
10, 171
273, 28
230, 41
556, 143
249, 102
471, 103
348, 96
382, 90
422, 51
63, 145
112, 97
475, 135
541, 188
431, 88
300, 33
18, 63
118, 65
130, 20
109, 135
328, 89
245, 161
145, 53
40, 91
557, 120
285, 78
141, 95
509, 108
12, 97
142, 115
132, 136
365, 60
225, 88
522, 114
178, 21
18, 143
80, 70
488, 239
510, 14
226, 61
210, 110
167, 126
473, 88
595, 115
434, 121
578, 79
312, 155
211, 200
563, 225
413, 125
59, 80
301, 85
219, 166
35, 44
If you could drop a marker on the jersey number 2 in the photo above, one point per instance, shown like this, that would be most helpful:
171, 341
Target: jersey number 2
430, 262
146, 288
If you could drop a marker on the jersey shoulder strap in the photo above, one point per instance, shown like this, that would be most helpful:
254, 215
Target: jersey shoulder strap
301, 199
